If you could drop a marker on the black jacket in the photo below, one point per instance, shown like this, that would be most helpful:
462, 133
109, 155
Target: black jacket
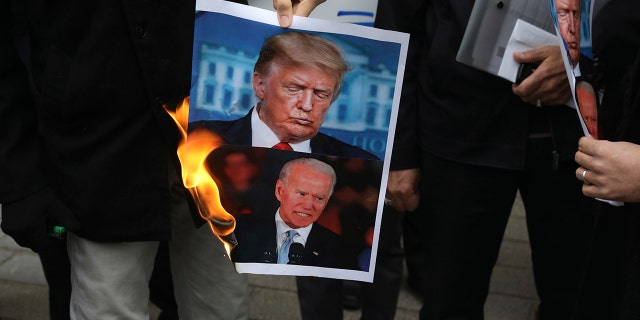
611, 288
97, 132
454, 111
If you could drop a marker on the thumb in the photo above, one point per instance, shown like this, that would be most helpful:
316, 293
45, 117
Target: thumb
530, 56
285, 12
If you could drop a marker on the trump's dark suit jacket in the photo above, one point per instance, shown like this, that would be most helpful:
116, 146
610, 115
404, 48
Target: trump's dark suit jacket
238, 132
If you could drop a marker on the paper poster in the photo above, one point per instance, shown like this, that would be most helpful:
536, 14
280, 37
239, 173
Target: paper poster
314, 209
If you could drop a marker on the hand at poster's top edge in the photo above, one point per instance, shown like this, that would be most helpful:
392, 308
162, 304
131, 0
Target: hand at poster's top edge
288, 8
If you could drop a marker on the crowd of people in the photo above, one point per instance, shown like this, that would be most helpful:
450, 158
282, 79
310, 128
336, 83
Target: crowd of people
85, 143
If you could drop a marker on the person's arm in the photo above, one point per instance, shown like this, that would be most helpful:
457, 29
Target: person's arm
613, 170
548, 82
288, 8
19, 150
28, 204
406, 16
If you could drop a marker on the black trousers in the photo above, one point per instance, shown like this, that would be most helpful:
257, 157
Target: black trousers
611, 287
466, 209
57, 271
322, 298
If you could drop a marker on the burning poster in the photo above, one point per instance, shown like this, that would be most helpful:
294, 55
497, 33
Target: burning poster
288, 138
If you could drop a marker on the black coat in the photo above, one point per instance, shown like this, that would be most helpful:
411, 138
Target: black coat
611, 288
452, 110
97, 132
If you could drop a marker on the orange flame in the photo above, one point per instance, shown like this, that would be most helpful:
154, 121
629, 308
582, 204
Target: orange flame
193, 150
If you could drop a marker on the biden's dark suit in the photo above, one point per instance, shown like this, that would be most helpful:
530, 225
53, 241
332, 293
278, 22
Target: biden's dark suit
257, 243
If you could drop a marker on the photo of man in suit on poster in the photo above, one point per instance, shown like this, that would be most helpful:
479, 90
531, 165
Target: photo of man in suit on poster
296, 79
229, 67
293, 237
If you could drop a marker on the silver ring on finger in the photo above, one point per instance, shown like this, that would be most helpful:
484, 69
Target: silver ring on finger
584, 176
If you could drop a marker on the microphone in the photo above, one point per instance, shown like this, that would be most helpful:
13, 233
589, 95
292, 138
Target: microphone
295, 253
268, 256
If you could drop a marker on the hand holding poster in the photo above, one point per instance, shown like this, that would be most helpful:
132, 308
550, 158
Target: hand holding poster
572, 19
360, 12
487, 43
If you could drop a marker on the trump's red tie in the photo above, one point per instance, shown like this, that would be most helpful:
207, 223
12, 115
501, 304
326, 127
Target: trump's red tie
282, 146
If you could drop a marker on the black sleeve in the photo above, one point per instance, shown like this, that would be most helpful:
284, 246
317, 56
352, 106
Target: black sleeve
406, 16
20, 173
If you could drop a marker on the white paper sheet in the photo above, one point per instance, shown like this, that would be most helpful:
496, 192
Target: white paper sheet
525, 36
